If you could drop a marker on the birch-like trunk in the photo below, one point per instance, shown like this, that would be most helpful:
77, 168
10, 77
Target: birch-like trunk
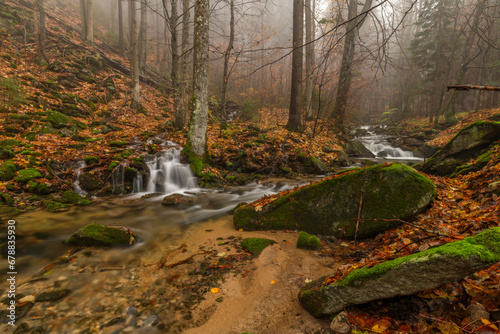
175, 73
197, 135
134, 61
184, 62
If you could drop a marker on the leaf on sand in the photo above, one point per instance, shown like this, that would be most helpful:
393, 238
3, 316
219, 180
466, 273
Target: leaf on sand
273, 282
215, 290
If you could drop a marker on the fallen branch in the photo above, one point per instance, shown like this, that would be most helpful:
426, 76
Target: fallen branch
469, 87
408, 223
359, 216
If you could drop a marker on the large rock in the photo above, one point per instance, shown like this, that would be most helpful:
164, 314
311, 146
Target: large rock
331, 207
100, 235
357, 149
467, 144
405, 275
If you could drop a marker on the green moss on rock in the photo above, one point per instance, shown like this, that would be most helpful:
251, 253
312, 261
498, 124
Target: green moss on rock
70, 197
8, 211
57, 119
99, 235
112, 166
307, 241
28, 174
119, 143
256, 245
38, 188
7, 171
331, 207
197, 164
55, 206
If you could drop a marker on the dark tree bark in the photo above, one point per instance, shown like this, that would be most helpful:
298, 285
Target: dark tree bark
294, 116
143, 36
310, 30
345, 76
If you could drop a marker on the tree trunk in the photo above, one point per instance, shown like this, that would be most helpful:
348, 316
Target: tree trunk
310, 32
134, 61
294, 116
185, 62
175, 73
120, 28
40, 32
345, 76
227, 56
197, 135
143, 36
449, 113
89, 35
83, 12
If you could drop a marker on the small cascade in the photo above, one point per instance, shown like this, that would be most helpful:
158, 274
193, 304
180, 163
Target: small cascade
382, 149
76, 184
118, 179
166, 174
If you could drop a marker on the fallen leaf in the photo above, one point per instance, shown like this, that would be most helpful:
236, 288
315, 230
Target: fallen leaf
215, 290
273, 282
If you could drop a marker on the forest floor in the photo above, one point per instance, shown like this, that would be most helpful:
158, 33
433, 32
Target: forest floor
258, 294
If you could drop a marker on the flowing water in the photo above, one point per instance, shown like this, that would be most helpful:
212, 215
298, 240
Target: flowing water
383, 150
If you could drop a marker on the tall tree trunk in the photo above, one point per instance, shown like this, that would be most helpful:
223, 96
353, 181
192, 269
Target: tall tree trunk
294, 116
83, 13
227, 56
143, 36
134, 61
185, 62
197, 135
345, 76
121, 44
449, 113
89, 35
310, 32
175, 73
40, 32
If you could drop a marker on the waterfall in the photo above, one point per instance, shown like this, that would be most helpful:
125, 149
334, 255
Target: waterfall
166, 174
76, 184
118, 178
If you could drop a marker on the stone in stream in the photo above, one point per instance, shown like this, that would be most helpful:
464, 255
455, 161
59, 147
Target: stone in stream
331, 207
405, 275
178, 201
100, 235
357, 149
467, 144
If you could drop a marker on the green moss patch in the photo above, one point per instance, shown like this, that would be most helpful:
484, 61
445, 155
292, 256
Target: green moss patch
91, 160
57, 119
307, 241
38, 188
7, 171
99, 235
28, 174
55, 206
119, 143
256, 245
70, 197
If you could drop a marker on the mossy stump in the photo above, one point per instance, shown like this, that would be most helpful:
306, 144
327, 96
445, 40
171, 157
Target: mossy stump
100, 235
405, 275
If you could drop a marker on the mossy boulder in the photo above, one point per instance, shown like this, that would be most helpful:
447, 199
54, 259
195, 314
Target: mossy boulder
119, 143
331, 207
468, 143
38, 188
91, 160
8, 211
405, 275
99, 235
357, 149
307, 241
92, 180
70, 197
256, 245
178, 201
7, 171
55, 206
57, 119
28, 174
6, 154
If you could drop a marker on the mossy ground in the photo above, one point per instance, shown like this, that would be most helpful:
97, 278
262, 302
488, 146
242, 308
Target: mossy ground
28, 174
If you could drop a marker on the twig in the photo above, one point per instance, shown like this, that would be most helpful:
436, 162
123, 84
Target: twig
408, 223
444, 321
359, 216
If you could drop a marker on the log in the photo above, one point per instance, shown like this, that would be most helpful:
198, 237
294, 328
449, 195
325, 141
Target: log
469, 87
